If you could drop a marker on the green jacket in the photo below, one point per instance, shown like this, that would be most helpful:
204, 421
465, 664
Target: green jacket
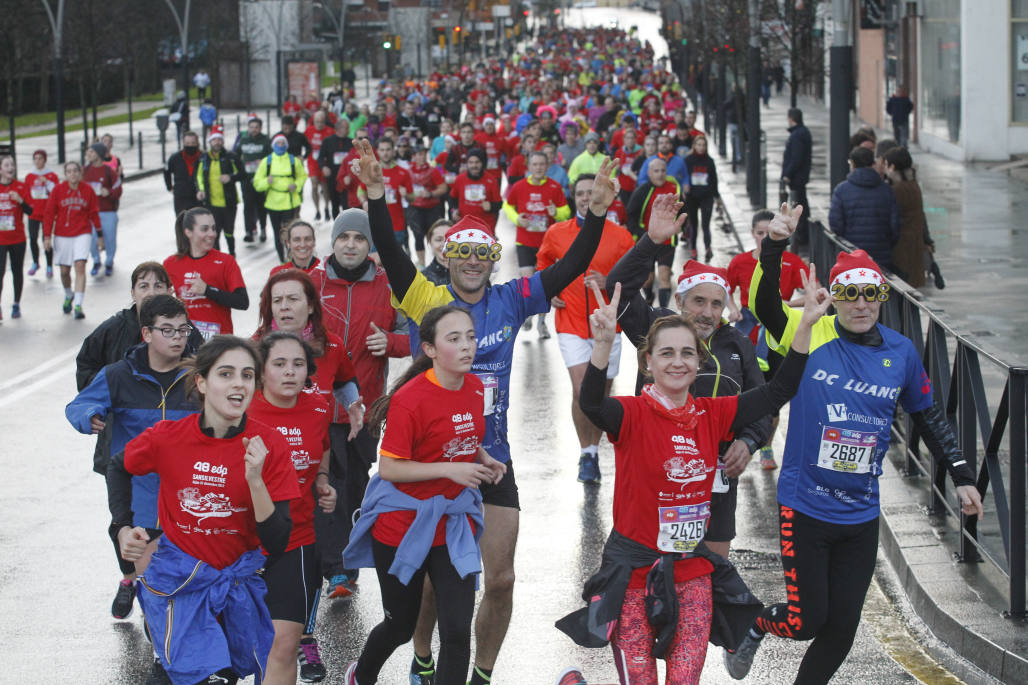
278, 197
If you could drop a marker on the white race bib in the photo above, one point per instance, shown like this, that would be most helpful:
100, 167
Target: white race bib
251, 166
537, 223
390, 195
846, 451
474, 193
449, 177
682, 528
492, 163
6, 223
337, 158
96, 186
419, 190
720, 479
698, 178
39, 193
492, 387
207, 329
626, 168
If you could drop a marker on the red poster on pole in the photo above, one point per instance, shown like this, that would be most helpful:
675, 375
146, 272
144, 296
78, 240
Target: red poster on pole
304, 80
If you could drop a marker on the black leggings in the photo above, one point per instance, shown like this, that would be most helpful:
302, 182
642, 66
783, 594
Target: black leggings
828, 568
419, 219
225, 221
253, 208
17, 256
279, 220
455, 604
694, 207
35, 227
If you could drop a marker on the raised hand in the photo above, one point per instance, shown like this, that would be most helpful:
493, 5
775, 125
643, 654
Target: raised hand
665, 221
256, 452
816, 299
785, 222
366, 167
603, 321
605, 187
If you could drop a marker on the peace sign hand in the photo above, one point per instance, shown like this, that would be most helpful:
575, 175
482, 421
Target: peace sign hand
604, 320
816, 299
368, 169
785, 222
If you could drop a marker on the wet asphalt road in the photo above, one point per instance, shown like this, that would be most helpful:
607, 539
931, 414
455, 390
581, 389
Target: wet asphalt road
60, 574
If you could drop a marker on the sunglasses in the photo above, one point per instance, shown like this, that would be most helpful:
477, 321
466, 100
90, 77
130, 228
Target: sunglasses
870, 291
465, 250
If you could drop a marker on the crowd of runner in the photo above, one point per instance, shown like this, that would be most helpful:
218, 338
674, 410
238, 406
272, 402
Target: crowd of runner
591, 150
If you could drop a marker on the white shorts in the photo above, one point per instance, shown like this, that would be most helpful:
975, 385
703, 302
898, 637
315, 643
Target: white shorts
577, 351
71, 249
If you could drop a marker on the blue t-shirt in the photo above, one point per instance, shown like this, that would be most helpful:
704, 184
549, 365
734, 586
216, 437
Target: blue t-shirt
840, 420
497, 317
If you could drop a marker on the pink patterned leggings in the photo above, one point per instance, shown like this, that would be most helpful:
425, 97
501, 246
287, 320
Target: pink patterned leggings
633, 637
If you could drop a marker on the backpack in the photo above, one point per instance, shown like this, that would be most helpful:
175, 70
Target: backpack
292, 165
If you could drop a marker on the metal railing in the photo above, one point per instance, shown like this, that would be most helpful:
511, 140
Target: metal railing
959, 387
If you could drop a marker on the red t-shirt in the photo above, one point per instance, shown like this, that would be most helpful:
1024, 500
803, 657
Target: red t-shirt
426, 179
289, 265
624, 160
470, 194
71, 211
204, 501
395, 177
291, 108
495, 147
40, 186
99, 177
12, 225
740, 272
665, 474
334, 366
616, 212
428, 423
305, 429
531, 201
518, 167
216, 269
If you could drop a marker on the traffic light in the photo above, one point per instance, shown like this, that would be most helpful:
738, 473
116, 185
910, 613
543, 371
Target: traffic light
387, 45
524, 13
456, 35
398, 42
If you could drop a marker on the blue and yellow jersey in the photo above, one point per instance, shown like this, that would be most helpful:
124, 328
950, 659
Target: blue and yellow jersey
497, 317
840, 420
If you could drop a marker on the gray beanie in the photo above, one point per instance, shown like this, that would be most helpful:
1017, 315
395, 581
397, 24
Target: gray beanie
100, 149
352, 219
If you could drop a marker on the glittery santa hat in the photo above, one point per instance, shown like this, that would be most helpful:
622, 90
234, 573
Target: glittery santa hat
470, 230
855, 267
696, 273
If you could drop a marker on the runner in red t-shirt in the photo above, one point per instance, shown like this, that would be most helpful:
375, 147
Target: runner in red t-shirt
41, 181
432, 447
208, 281
495, 146
72, 214
293, 577
426, 207
477, 195
14, 204
291, 107
398, 186
316, 132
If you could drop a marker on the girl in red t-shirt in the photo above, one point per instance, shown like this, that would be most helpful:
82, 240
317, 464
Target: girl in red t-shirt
293, 577
432, 447
207, 280
665, 453
14, 206
226, 483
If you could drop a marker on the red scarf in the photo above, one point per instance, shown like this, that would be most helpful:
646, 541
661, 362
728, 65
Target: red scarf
191, 160
662, 405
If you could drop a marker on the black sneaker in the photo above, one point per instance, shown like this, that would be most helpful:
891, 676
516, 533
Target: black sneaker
248, 238
421, 674
158, 676
937, 275
312, 670
738, 663
122, 606
264, 234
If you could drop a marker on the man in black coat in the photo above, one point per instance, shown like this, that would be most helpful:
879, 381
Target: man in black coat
216, 179
330, 158
180, 173
796, 164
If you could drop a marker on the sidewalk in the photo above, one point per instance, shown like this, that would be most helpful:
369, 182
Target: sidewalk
984, 266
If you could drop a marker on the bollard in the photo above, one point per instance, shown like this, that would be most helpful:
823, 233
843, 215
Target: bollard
140, 146
82, 154
762, 189
164, 157
238, 129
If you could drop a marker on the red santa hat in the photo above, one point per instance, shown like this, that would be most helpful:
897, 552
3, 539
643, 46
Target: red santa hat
279, 137
216, 132
855, 267
696, 273
470, 230
488, 120
251, 116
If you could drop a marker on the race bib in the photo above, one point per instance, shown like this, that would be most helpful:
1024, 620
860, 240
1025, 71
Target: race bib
449, 177
207, 329
251, 166
682, 528
492, 163
6, 223
492, 387
337, 158
626, 168
537, 223
474, 193
720, 479
698, 179
96, 186
39, 193
846, 451
390, 195
419, 190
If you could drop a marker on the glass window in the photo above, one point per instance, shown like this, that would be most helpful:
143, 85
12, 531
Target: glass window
1019, 62
940, 69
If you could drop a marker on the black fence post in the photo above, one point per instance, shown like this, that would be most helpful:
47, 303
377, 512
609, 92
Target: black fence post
140, 148
1017, 387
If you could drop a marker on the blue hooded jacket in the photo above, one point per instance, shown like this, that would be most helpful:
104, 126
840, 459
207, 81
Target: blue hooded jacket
382, 496
126, 395
864, 211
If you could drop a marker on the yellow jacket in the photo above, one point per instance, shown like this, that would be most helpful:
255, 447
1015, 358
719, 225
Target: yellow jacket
278, 197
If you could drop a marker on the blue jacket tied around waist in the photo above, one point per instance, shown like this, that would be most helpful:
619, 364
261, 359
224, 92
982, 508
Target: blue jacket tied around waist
182, 599
382, 497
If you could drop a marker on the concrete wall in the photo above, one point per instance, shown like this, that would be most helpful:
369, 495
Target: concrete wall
985, 81
267, 26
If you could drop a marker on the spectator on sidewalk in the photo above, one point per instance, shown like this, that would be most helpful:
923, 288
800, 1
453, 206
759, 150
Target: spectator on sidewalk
110, 159
864, 209
180, 115
796, 163
881, 149
899, 107
208, 117
908, 254
180, 173
201, 80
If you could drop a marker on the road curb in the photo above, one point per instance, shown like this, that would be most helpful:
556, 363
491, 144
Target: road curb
140, 175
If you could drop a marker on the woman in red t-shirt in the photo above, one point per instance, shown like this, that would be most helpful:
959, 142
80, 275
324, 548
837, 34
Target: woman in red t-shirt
14, 206
294, 577
207, 280
432, 447
665, 454
226, 486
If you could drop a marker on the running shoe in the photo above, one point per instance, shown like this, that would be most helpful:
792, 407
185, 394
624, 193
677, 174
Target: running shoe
527, 326
16, 311
49, 272
340, 586
248, 238
544, 332
738, 663
312, 670
33, 269
589, 469
66, 307
767, 458
108, 270
95, 270
158, 676
122, 606
692, 253
420, 674
264, 234
79, 314
317, 216
571, 676
350, 678
709, 255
